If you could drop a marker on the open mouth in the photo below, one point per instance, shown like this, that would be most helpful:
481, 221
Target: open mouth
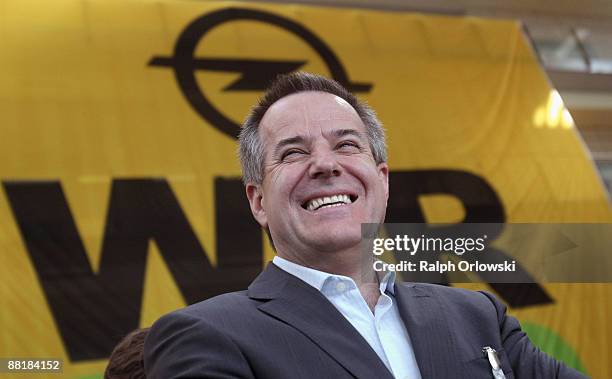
329, 201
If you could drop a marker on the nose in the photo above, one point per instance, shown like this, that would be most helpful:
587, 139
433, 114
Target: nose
324, 165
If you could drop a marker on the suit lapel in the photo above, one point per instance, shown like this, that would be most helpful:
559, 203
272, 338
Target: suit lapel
432, 339
300, 305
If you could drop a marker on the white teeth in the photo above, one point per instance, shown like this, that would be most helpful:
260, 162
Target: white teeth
328, 201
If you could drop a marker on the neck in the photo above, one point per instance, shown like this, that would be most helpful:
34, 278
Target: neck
348, 262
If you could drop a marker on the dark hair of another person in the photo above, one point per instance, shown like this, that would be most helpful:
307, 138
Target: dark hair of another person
126, 360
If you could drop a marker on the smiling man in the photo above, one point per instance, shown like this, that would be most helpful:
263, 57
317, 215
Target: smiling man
314, 167
320, 179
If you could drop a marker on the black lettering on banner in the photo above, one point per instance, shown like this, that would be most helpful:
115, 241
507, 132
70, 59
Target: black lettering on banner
93, 311
482, 205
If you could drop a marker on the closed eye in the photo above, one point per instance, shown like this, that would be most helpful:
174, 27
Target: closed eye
291, 153
345, 145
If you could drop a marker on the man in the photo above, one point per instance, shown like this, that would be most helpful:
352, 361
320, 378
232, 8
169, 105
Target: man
314, 166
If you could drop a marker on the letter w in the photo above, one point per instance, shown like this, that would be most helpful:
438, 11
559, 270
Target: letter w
93, 311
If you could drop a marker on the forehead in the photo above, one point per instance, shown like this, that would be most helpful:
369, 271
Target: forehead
306, 112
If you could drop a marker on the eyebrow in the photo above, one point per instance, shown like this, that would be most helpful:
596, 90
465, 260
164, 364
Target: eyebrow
347, 132
338, 133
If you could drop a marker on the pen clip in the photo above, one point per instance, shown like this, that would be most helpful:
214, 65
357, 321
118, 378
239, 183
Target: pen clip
494, 361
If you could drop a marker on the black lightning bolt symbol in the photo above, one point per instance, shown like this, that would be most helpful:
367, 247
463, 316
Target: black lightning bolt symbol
256, 74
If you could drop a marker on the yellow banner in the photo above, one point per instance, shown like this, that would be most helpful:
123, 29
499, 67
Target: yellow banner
121, 197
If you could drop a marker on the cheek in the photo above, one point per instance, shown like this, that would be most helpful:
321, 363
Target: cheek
278, 190
370, 179
288, 177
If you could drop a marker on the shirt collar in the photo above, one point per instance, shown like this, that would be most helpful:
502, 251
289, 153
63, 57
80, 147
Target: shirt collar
388, 283
320, 279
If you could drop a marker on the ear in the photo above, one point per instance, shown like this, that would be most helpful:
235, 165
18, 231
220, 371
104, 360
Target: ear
256, 201
383, 174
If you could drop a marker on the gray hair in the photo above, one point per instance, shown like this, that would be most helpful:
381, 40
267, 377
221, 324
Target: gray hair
251, 150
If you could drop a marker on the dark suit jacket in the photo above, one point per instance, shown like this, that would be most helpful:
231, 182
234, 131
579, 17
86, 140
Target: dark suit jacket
284, 328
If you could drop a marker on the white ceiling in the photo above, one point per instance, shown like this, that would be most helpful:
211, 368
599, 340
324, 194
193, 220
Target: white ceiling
596, 11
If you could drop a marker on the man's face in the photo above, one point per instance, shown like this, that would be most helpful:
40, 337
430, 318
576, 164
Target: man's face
320, 178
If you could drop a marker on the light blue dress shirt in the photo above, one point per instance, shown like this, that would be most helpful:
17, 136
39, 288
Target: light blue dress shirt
384, 329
